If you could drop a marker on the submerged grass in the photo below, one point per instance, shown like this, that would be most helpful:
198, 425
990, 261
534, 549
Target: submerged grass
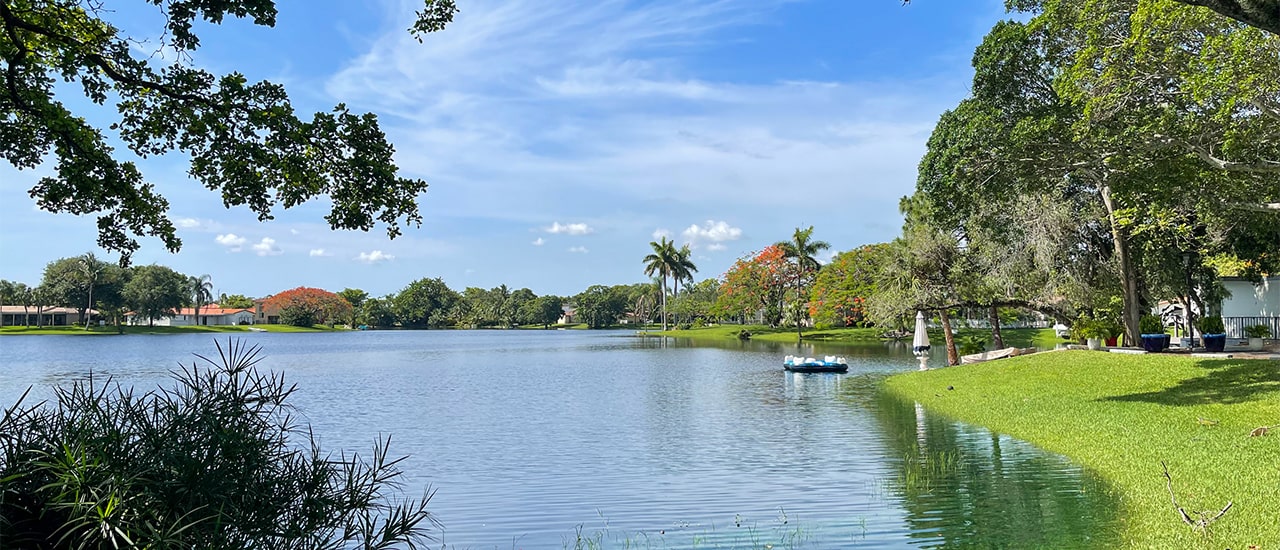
1122, 415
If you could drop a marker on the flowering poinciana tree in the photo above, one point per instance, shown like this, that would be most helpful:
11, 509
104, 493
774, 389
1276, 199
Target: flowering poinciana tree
756, 282
844, 284
304, 306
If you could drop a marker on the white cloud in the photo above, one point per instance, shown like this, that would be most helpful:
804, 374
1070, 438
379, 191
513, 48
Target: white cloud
232, 241
578, 249
374, 257
659, 234
187, 223
319, 252
713, 235
267, 247
569, 228
294, 232
538, 242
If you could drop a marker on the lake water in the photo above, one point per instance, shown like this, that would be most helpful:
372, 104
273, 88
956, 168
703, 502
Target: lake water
580, 439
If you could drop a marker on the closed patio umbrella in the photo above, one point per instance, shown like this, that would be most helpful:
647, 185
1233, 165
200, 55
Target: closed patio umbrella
920, 343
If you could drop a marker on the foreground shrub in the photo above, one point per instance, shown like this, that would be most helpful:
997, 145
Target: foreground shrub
208, 463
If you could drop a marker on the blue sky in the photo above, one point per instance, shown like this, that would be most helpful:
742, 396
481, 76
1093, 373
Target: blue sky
560, 138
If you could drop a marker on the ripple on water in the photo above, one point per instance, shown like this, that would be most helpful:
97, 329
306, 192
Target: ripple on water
538, 439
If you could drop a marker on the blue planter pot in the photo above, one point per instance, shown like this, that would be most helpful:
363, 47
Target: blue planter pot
1155, 342
1214, 342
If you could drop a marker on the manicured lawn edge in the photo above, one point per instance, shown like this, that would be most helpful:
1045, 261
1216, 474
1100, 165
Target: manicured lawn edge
1013, 337
1121, 415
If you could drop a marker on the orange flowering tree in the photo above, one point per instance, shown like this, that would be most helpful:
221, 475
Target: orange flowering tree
843, 286
304, 306
756, 282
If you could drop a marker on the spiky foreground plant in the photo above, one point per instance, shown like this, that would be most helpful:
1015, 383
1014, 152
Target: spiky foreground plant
213, 462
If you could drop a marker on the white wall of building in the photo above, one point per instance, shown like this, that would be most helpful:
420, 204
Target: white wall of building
1249, 300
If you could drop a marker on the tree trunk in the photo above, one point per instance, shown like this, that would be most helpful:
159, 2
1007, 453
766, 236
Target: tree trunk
88, 312
799, 308
664, 303
26, 316
997, 341
1128, 274
953, 357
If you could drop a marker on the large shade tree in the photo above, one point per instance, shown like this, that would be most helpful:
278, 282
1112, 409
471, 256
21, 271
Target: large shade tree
1118, 107
1263, 14
244, 138
155, 292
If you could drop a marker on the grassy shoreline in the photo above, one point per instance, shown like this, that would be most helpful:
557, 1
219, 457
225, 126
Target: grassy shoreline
1121, 415
1020, 337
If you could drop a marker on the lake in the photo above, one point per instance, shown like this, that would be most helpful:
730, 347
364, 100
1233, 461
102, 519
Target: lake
585, 439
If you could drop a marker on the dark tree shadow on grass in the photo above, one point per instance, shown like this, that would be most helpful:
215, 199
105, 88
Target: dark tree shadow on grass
1226, 381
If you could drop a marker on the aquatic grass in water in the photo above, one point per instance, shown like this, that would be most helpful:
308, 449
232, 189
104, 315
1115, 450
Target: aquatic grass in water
781, 533
1122, 415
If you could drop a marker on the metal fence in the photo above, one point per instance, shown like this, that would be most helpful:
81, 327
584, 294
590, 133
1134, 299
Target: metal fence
1235, 325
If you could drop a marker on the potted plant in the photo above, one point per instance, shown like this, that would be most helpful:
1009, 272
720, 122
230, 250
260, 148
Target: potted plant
1091, 331
1114, 330
1255, 334
1212, 333
1153, 336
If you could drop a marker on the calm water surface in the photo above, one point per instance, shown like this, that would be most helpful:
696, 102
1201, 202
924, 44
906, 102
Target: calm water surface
565, 439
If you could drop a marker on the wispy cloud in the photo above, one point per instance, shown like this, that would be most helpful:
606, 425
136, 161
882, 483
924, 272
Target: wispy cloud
578, 249
233, 242
539, 242
569, 228
319, 253
187, 223
267, 247
377, 256
659, 234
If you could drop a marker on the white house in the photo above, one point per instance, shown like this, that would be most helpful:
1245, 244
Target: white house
210, 315
1251, 304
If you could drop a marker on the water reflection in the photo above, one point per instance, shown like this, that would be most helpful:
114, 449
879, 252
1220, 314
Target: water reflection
563, 438
964, 487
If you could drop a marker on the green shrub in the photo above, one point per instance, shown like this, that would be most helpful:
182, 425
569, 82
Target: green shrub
1150, 324
1085, 328
1257, 331
972, 344
297, 316
207, 463
1211, 324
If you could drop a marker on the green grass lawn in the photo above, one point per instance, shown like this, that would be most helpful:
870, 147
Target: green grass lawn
1121, 415
110, 329
1023, 338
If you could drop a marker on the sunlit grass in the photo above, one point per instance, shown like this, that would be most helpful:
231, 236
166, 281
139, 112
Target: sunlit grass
1122, 415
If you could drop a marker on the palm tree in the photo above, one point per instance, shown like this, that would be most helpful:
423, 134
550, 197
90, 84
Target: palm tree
23, 293
90, 268
201, 289
662, 262
804, 251
8, 294
682, 269
41, 297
